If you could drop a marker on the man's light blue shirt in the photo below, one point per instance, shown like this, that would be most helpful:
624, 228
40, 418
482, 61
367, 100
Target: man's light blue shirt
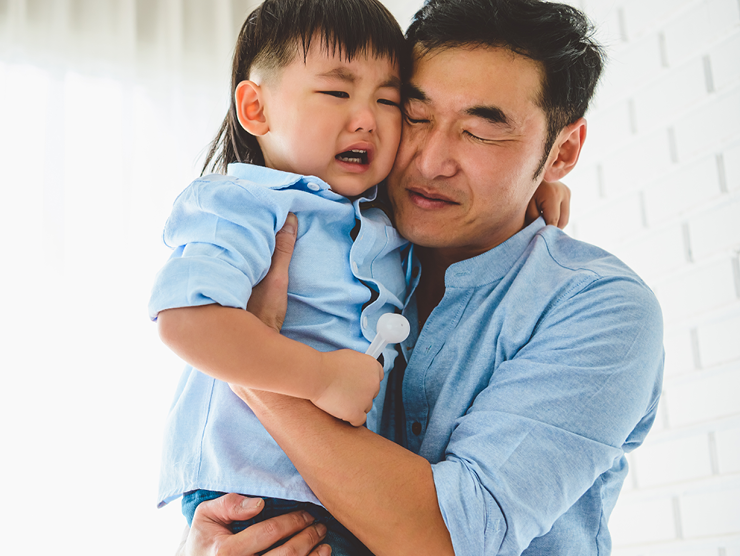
347, 270
539, 369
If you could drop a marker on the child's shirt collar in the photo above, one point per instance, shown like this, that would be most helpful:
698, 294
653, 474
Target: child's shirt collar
277, 179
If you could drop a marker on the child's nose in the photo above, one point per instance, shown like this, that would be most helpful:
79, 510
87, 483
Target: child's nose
363, 119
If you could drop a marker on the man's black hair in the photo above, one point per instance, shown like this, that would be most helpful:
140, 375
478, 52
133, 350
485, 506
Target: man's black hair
557, 36
279, 30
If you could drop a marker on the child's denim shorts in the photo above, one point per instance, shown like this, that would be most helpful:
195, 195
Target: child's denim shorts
342, 542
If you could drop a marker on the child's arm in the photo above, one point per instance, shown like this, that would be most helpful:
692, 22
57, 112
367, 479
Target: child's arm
552, 201
235, 346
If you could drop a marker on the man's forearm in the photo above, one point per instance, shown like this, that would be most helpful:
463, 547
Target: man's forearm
382, 492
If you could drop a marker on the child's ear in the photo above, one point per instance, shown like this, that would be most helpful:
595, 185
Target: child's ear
566, 150
250, 108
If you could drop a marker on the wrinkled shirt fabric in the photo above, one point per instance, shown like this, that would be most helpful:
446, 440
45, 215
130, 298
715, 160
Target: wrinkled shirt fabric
222, 230
538, 371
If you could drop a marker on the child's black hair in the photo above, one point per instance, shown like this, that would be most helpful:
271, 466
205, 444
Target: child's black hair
279, 30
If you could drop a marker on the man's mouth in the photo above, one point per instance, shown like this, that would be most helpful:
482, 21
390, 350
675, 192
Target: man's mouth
353, 156
430, 197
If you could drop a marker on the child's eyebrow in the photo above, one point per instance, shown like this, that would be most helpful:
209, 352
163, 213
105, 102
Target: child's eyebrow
343, 74
393, 81
340, 73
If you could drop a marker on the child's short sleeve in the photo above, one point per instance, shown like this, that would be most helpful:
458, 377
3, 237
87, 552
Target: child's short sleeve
223, 235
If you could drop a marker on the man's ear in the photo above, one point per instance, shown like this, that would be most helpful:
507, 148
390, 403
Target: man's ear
566, 150
250, 108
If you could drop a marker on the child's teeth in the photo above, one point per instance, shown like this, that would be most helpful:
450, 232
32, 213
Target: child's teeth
360, 159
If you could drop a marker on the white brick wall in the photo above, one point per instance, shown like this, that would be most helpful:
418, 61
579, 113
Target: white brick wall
728, 450
659, 185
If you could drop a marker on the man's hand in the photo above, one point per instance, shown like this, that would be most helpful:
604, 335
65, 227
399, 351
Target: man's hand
209, 535
352, 380
552, 201
269, 299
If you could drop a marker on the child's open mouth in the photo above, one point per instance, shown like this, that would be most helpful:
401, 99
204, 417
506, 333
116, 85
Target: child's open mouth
353, 156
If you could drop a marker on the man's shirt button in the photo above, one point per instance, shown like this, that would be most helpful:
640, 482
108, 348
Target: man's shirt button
416, 428
313, 186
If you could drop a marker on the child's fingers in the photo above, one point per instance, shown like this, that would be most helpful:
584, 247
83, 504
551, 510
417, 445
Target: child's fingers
552, 215
533, 211
564, 213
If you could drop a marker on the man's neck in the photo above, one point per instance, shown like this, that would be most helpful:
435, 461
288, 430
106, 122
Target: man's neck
434, 265
431, 288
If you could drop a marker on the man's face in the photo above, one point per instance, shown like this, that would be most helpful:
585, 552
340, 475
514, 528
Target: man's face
472, 140
332, 118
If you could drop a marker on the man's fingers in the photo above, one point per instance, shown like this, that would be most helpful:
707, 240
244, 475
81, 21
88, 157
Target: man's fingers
303, 542
263, 535
228, 508
285, 238
181, 550
323, 550
284, 245
269, 299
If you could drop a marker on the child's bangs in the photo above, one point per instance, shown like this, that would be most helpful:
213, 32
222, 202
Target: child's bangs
350, 28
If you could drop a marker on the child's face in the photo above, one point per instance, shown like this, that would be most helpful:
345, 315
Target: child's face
334, 119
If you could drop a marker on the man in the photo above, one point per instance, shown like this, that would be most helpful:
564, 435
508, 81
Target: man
535, 361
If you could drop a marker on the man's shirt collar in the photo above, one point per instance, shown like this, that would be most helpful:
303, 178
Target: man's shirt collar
494, 264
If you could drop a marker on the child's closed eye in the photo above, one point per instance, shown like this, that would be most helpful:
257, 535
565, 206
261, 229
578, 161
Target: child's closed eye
338, 94
388, 102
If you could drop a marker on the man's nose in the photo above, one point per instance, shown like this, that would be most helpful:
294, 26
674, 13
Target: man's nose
434, 155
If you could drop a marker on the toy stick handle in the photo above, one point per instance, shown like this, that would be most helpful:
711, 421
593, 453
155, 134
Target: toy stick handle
377, 346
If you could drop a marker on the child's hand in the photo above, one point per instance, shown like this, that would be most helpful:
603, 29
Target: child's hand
552, 200
352, 382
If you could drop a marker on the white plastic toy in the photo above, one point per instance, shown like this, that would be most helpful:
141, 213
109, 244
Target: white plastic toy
392, 328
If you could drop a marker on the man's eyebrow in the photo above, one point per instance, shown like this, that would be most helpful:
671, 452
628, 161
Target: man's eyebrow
491, 113
412, 92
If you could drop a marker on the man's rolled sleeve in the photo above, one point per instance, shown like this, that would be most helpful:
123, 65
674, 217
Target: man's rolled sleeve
555, 416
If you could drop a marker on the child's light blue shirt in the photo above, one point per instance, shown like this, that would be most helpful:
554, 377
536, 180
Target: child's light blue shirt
222, 230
